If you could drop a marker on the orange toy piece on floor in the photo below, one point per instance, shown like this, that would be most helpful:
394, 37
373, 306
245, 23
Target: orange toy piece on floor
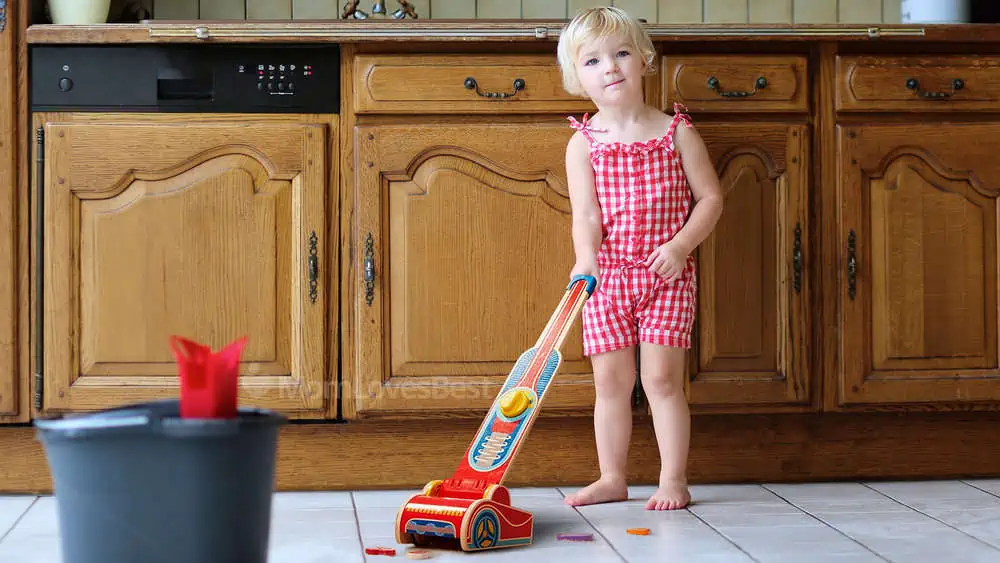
472, 510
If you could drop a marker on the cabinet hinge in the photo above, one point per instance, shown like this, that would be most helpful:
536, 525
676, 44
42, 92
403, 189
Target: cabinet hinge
39, 265
38, 391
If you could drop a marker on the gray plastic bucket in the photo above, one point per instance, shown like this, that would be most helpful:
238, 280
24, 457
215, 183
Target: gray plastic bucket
139, 484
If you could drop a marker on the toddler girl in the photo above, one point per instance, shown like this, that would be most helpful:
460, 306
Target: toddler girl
644, 194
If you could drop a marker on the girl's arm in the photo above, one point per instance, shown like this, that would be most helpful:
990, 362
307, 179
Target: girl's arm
587, 232
705, 187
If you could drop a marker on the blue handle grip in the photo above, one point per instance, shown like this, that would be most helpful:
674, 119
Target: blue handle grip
591, 282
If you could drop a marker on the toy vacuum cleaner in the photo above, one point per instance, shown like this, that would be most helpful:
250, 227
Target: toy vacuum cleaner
472, 509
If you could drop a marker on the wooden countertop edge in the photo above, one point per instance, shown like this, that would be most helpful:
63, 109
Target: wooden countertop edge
492, 30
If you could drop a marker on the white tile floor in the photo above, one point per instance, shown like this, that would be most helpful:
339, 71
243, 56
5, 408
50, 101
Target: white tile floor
911, 522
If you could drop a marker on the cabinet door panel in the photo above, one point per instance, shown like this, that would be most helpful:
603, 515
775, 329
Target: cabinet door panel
203, 231
466, 230
9, 371
752, 327
919, 277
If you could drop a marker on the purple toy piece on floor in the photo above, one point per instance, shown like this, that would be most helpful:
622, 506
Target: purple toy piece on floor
575, 537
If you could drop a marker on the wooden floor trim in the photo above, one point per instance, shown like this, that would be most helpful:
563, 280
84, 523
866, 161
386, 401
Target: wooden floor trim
560, 451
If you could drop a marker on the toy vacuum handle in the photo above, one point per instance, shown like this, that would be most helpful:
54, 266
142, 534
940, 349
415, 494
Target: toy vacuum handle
591, 282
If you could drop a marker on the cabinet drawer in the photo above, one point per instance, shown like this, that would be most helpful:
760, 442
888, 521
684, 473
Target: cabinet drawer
918, 83
461, 84
735, 83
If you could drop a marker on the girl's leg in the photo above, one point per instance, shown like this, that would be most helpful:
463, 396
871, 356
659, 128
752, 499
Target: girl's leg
614, 378
662, 381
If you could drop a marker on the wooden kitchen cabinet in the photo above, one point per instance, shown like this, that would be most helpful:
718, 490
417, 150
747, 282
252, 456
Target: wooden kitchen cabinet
461, 83
753, 325
736, 83
206, 227
9, 360
464, 232
917, 264
861, 193
965, 82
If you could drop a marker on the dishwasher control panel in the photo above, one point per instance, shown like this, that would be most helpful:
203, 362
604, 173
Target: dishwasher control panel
218, 78
279, 79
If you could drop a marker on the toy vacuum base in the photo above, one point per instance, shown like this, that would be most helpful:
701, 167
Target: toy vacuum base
471, 511
469, 524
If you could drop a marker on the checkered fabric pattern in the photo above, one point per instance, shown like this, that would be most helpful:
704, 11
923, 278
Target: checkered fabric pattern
645, 200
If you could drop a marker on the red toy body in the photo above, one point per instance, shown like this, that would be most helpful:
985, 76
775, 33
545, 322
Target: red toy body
472, 509
209, 381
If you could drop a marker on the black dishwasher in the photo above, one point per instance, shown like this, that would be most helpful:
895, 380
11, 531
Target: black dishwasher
197, 78
183, 189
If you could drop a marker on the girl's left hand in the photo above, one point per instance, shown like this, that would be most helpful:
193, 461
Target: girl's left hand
667, 261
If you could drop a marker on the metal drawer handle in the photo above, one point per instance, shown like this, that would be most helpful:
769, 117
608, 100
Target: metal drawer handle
914, 84
759, 85
369, 270
471, 84
313, 268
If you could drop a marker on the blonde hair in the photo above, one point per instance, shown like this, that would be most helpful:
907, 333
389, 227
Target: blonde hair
596, 23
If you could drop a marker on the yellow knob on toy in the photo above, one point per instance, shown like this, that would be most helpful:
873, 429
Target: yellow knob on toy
514, 402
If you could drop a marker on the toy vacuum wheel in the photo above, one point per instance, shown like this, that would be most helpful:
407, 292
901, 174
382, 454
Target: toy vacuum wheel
484, 531
402, 538
497, 493
431, 488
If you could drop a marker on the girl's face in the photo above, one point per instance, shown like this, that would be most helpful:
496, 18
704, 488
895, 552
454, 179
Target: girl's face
611, 71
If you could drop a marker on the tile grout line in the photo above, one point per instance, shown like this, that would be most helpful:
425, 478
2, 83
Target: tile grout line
828, 525
18, 519
722, 534
686, 509
921, 512
593, 527
991, 493
357, 527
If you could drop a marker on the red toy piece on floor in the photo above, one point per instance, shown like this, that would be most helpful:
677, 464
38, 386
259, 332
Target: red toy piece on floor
381, 551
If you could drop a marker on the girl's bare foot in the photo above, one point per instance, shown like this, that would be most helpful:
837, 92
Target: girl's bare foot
670, 495
602, 490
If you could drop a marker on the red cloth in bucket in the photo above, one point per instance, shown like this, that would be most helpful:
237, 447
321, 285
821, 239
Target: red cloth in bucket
209, 381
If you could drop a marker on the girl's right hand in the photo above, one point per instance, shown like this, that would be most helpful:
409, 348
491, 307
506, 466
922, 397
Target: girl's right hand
587, 268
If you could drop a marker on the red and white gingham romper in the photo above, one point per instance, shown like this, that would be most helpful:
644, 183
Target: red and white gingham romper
645, 200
